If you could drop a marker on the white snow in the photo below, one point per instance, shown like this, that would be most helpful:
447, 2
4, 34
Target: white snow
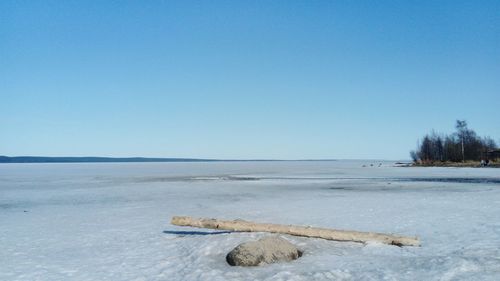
111, 221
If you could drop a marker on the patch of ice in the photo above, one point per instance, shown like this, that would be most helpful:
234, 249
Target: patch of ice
111, 221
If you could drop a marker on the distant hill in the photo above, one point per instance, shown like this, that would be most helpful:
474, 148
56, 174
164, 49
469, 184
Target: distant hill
93, 159
42, 159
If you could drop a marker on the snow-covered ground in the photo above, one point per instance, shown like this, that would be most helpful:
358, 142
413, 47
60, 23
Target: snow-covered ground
111, 221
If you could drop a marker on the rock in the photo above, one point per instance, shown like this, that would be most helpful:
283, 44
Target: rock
264, 251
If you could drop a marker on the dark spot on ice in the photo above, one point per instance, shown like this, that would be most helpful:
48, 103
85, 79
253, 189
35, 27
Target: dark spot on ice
454, 180
237, 178
7, 206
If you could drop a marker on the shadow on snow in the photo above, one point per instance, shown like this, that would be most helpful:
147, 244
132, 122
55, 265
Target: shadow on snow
196, 232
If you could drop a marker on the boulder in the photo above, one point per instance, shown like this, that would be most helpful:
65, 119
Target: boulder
264, 251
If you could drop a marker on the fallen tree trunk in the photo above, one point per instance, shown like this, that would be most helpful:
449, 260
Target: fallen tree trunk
306, 231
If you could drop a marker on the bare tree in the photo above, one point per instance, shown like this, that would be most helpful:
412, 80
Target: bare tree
461, 127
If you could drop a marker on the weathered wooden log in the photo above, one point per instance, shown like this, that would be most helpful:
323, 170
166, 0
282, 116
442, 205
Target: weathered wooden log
306, 231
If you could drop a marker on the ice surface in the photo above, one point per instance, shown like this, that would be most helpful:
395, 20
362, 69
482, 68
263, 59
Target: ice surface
110, 221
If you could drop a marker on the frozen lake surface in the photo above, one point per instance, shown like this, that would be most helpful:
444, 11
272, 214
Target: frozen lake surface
110, 221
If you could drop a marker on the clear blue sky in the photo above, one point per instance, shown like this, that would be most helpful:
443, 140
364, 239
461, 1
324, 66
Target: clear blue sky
244, 79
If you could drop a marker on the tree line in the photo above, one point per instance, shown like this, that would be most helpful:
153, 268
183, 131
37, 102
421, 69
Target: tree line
462, 145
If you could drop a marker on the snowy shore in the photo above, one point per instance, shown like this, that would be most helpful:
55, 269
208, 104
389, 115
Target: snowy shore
110, 221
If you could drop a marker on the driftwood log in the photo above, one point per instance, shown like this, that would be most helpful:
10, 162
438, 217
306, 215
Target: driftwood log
306, 231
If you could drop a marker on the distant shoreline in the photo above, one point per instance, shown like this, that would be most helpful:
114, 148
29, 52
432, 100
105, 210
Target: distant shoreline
93, 159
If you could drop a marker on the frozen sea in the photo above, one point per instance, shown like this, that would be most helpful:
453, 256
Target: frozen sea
110, 221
